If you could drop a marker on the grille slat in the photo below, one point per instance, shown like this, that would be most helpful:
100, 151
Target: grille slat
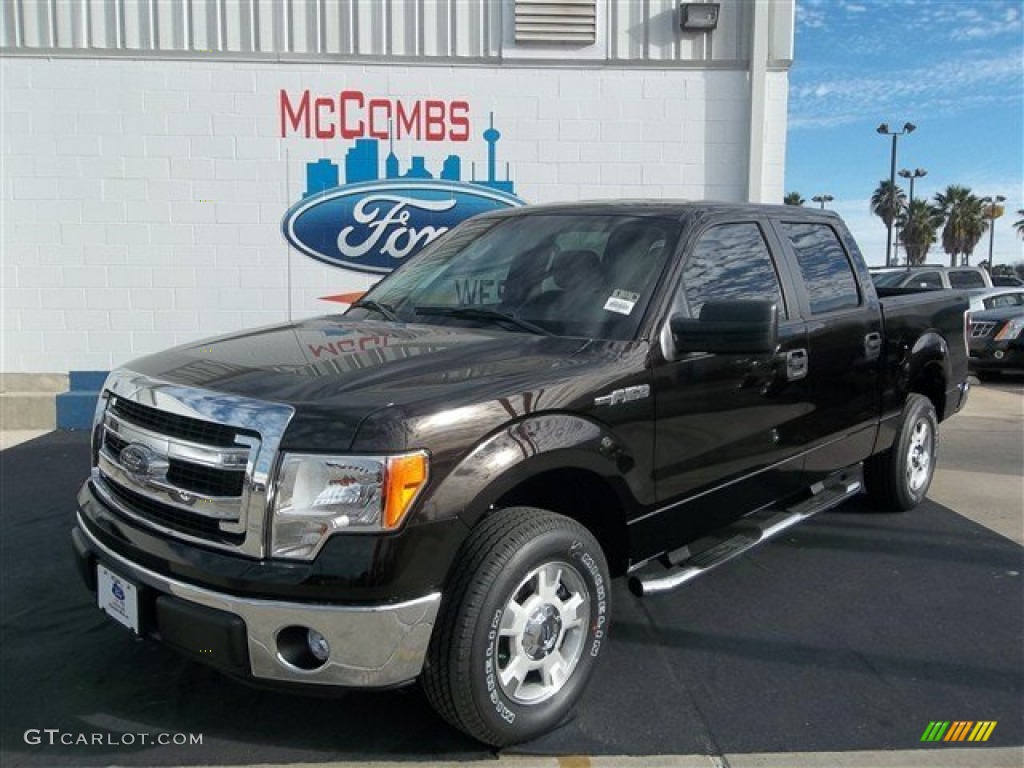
191, 477
173, 425
169, 517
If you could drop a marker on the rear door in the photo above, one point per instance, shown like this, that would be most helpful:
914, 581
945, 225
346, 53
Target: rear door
844, 337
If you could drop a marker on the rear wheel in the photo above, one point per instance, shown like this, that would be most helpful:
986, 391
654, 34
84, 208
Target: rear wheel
898, 479
522, 624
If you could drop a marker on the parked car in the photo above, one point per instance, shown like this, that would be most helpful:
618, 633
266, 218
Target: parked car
1007, 280
996, 341
440, 484
931, 277
994, 298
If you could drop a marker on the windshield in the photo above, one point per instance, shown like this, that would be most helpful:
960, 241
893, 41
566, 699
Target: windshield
563, 274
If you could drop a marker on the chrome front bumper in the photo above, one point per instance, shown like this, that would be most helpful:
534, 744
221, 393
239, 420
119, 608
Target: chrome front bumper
371, 647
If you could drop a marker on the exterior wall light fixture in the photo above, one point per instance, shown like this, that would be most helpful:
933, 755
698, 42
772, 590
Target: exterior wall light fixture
699, 17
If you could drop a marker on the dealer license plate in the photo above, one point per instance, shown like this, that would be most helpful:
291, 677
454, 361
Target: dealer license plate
118, 598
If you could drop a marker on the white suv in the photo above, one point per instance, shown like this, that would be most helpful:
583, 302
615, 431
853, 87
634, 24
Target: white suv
931, 277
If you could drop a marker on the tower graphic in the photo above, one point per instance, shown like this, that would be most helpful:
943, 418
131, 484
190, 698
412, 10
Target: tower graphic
362, 164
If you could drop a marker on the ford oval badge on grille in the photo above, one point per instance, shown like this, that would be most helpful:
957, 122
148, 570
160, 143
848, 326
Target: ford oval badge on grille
141, 460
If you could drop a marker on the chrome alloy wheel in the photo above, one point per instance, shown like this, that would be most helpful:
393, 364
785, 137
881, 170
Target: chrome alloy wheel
542, 632
919, 456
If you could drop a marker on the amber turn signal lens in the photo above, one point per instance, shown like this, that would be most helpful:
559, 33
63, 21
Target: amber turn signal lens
406, 475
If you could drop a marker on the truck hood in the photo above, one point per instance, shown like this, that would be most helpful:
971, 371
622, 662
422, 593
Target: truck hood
335, 371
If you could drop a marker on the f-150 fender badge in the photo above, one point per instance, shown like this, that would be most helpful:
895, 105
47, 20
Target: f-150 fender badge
618, 396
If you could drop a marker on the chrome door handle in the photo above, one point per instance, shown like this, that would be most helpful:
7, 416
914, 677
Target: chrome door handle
796, 364
872, 345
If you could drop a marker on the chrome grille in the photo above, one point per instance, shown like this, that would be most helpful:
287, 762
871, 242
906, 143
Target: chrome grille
187, 462
981, 329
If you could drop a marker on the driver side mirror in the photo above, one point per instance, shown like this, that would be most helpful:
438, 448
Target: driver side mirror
734, 327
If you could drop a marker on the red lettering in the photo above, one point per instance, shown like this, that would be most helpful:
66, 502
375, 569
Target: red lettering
290, 116
458, 115
321, 349
408, 121
353, 116
435, 120
346, 131
328, 132
379, 128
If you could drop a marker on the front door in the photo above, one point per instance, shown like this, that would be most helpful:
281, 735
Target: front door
729, 427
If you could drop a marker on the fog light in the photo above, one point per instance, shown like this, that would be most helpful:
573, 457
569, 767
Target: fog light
999, 354
318, 645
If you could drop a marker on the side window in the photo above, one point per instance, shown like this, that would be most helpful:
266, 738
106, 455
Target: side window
929, 280
1005, 300
825, 269
966, 278
729, 261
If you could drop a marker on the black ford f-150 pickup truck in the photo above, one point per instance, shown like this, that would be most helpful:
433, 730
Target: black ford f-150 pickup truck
439, 484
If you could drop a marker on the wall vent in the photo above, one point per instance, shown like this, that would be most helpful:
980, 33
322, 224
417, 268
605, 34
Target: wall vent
556, 21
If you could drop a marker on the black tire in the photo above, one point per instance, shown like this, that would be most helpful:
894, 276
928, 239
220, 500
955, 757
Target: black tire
898, 479
469, 650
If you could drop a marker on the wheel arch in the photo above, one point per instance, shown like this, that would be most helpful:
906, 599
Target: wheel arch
930, 370
560, 462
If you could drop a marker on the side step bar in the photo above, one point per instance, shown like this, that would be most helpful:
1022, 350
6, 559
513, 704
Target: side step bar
686, 564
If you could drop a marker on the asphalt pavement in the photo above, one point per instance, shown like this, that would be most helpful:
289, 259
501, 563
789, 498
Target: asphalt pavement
835, 645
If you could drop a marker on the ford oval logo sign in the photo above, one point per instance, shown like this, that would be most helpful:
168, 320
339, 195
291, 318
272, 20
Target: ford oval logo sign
374, 227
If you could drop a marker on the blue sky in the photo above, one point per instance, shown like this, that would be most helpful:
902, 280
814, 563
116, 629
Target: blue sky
954, 69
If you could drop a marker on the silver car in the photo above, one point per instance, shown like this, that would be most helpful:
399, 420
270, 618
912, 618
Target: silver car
994, 298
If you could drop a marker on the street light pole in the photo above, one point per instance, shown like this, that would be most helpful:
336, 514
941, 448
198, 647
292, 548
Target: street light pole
992, 204
884, 130
822, 199
905, 174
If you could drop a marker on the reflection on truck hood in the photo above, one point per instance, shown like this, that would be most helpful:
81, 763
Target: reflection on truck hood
337, 371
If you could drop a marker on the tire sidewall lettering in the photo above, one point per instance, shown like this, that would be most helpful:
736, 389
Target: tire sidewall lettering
508, 711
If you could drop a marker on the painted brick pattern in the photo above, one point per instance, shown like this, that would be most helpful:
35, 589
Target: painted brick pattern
142, 200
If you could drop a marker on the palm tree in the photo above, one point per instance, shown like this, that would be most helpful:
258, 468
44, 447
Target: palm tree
793, 198
964, 213
887, 202
1018, 225
919, 223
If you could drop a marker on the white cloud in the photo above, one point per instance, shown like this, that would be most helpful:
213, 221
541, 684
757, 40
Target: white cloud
944, 88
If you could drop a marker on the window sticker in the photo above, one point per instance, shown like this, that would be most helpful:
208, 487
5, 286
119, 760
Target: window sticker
621, 301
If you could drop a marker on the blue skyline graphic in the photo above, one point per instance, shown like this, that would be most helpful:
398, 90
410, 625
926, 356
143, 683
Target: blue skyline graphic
362, 163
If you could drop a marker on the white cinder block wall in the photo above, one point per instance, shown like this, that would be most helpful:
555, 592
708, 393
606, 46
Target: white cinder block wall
142, 199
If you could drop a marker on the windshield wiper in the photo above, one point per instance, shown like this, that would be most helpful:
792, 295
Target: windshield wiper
377, 306
483, 313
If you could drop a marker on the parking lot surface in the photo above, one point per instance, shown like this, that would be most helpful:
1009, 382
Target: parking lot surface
849, 634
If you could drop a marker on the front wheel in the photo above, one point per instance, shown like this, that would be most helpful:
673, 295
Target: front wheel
521, 626
898, 479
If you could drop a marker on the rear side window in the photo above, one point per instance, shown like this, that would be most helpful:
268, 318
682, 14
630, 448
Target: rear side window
928, 280
824, 267
966, 278
729, 261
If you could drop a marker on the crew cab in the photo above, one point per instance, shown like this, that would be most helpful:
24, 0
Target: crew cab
440, 484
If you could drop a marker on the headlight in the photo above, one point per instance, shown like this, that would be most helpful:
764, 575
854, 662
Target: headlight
318, 496
1011, 330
